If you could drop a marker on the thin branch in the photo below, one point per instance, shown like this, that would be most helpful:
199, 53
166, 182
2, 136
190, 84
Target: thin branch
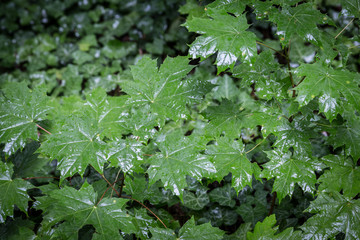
302, 79
146, 208
117, 175
103, 195
344, 28
122, 184
271, 48
272, 204
256, 145
43, 129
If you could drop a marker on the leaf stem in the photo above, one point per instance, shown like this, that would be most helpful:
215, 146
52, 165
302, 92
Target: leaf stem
272, 204
301, 80
43, 129
256, 145
271, 48
344, 28
117, 175
122, 184
102, 175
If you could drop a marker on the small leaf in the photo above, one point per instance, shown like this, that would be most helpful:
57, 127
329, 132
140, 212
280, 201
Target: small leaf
225, 195
197, 200
190, 231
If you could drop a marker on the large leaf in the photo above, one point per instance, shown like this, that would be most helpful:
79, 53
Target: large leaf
79, 208
179, 156
20, 109
301, 20
224, 34
353, 6
13, 192
76, 146
289, 170
329, 85
342, 175
161, 88
228, 156
335, 214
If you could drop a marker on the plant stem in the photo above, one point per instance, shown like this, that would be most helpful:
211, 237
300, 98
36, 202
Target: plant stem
256, 145
344, 28
122, 184
272, 204
271, 48
43, 129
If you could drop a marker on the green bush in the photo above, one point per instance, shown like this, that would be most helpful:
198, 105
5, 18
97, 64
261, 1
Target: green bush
174, 119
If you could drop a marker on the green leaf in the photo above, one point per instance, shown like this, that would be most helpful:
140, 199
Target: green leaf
329, 85
225, 195
162, 234
79, 208
81, 57
342, 175
20, 109
87, 42
179, 156
267, 79
109, 112
162, 89
236, 7
353, 6
301, 20
228, 156
18, 229
13, 192
240, 233
224, 34
335, 214
228, 118
77, 145
126, 154
197, 200
295, 134
190, 231
348, 134
289, 170
266, 230
226, 88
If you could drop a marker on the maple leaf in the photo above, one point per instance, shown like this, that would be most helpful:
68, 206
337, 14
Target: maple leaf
199, 232
343, 175
109, 112
161, 88
236, 7
301, 20
265, 230
79, 208
179, 156
13, 192
353, 6
329, 85
228, 156
224, 34
348, 134
20, 109
289, 170
226, 118
335, 214
265, 76
126, 154
76, 146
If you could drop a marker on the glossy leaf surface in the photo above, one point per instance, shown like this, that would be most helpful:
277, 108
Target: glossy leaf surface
20, 109
224, 34
13, 192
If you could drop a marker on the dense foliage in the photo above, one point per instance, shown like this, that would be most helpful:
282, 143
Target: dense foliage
174, 119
